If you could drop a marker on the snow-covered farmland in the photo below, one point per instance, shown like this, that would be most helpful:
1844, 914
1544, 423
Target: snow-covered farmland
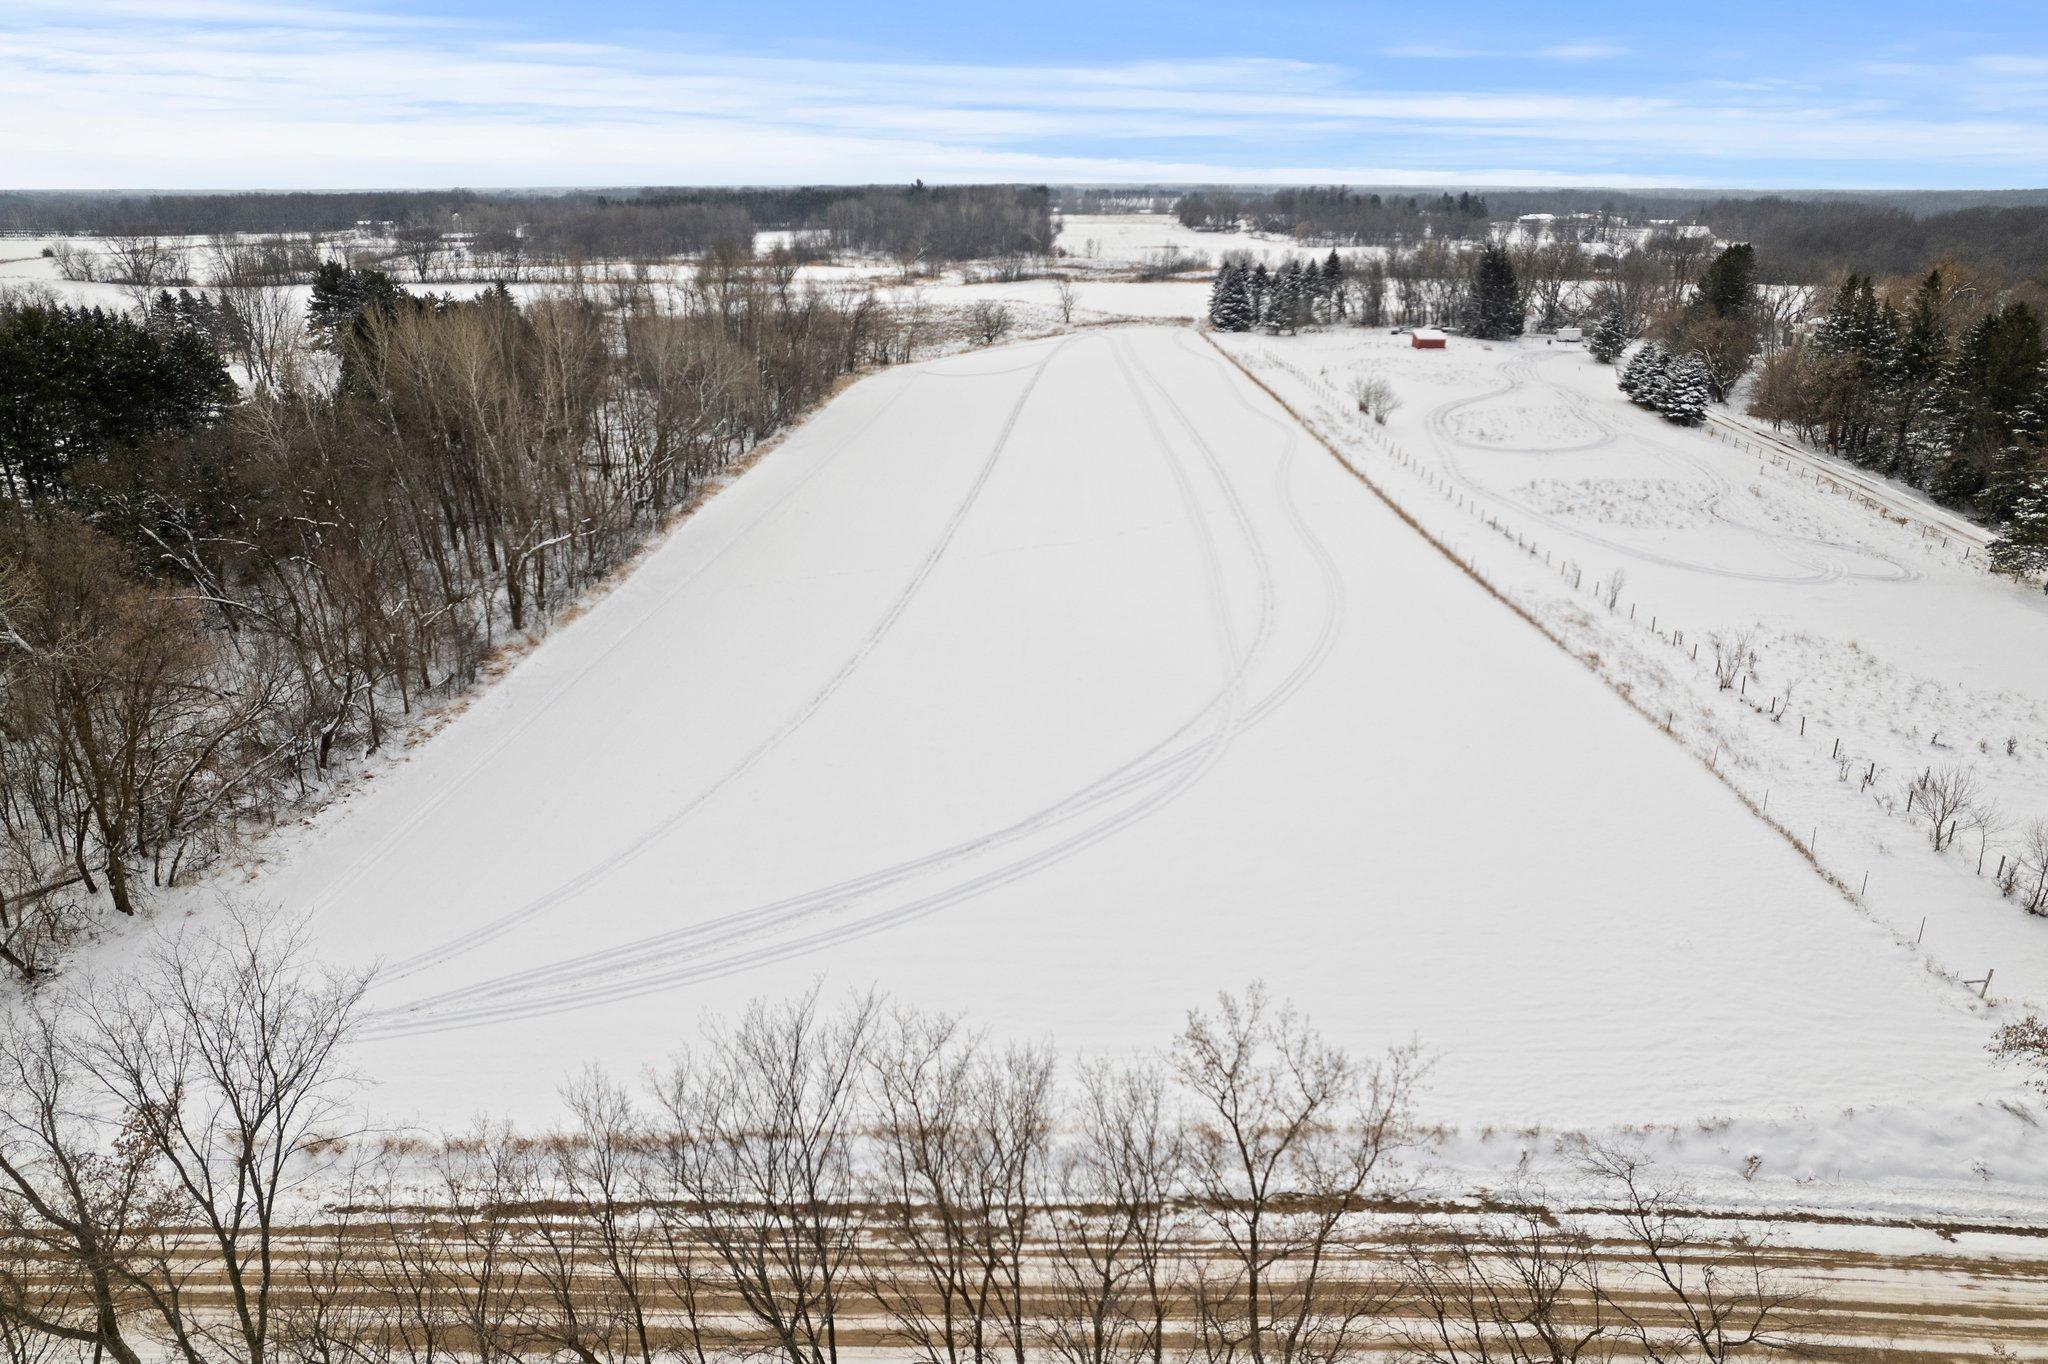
1068, 683
1884, 649
1135, 238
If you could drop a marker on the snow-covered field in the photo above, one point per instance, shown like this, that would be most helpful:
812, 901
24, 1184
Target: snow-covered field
1068, 683
1133, 238
1881, 640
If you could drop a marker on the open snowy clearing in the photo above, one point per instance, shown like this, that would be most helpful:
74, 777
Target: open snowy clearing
1066, 684
1134, 238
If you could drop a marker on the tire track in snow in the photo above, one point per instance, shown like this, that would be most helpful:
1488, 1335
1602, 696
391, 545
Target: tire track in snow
1820, 570
483, 933
540, 706
596, 978
1133, 775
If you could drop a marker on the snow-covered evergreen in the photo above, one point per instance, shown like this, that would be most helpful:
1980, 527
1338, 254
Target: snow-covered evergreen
1687, 389
1642, 378
2023, 546
1609, 337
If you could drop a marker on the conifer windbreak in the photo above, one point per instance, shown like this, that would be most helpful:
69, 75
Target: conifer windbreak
1900, 388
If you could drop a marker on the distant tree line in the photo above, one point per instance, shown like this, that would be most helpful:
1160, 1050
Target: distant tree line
194, 215
918, 222
1335, 214
1801, 239
1808, 242
1477, 290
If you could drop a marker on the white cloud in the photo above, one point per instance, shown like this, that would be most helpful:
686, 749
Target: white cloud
274, 94
1585, 51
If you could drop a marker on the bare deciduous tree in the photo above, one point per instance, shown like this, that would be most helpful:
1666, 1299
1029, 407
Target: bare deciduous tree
1688, 1295
755, 1165
1110, 1204
1519, 1287
419, 244
155, 1129
962, 1131
1735, 657
222, 1053
1289, 1139
990, 320
146, 264
1947, 798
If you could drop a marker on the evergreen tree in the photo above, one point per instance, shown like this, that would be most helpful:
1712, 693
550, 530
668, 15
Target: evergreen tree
1333, 284
1230, 301
1244, 308
1862, 333
75, 385
1261, 291
1991, 378
1728, 288
1643, 378
1219, 296
342, 297
1497, 311
1610, 336
1915, 374
2022, 461
1283, 308
2022, 549
1687, 389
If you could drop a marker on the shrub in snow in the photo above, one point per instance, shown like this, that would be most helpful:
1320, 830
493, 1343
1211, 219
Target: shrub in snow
1375, 398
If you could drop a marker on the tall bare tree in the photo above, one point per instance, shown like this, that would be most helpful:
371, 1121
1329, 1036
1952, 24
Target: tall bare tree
1112, 1272
756, 1163
222, 1051
1290, 1139
962, 1130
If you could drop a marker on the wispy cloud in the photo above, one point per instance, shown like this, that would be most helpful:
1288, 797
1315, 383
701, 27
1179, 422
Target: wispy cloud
254, 92
1586, 51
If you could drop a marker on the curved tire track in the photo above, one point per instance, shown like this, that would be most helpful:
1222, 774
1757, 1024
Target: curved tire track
1158, 776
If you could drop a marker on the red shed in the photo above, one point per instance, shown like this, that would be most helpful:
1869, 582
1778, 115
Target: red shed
1426, 338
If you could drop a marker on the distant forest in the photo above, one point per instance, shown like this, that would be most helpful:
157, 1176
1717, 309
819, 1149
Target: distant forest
1800, 238
1804, 238
943, 223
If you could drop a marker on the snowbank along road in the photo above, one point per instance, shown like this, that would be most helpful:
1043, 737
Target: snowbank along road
1066, 684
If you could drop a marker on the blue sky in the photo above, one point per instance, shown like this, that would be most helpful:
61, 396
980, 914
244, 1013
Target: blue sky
276, 93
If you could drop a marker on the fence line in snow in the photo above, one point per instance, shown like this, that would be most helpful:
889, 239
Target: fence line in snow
1573, 573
